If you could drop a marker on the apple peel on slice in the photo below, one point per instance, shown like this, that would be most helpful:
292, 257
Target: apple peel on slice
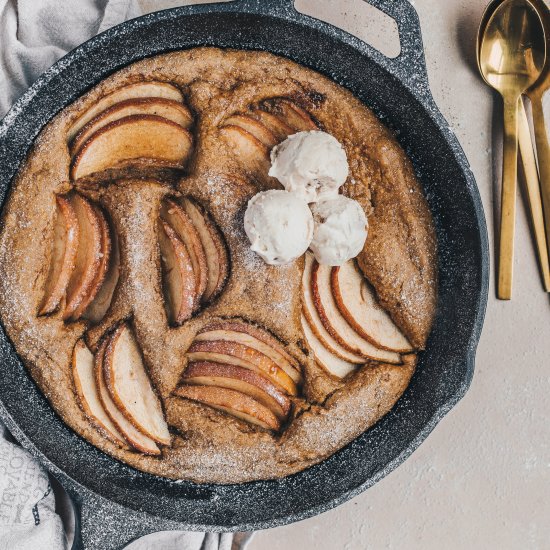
165, 108
254, 127
136, 90
279, 128
137, 439
86, 390
217, 258
98, 307
205, 373
357, 302
102, 268
66, 235
330, 362
133, 138
233, 353
88, 258
336, 324
255, 338
174, 214
292, 114
179, 278
314, 321
232, 402
130, 388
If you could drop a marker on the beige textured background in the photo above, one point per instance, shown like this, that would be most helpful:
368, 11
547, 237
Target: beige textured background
482, 479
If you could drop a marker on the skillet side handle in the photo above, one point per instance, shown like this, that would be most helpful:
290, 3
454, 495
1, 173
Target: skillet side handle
104, 525
410, 65
101, 524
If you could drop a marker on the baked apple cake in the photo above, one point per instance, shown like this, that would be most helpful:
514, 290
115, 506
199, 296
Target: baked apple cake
218, 266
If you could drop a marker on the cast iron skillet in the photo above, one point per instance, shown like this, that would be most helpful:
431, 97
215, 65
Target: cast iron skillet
117, 502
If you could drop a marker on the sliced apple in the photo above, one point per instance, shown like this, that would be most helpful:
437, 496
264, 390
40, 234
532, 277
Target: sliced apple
130, 91
254, 127
179, 278
99, 306
233, 353
292, 114
248, 149
84, 381
165, 108
255, 338
217, 258
357, 302
138, 440
66, 234
174, 214
139, 138
314, 321
336, 324
232, 402
88, 258
246, 381
130, 388
330, 362
102, 269
278, 127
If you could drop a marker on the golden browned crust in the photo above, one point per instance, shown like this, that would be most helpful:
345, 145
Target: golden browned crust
399, 259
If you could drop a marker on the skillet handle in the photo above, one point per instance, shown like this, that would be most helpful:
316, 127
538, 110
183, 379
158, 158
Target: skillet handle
409, 66
104, 525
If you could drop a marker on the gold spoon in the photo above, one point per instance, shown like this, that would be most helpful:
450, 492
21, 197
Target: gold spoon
528, 159
535, 93
511, 59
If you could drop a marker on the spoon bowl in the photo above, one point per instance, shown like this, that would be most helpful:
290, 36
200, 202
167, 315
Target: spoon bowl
489, 10
513, 49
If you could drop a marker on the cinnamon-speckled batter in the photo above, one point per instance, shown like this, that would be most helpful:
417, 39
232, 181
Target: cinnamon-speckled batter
399, 259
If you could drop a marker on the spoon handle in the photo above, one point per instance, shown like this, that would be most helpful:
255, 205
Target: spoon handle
533, 190
543, 155
508, 198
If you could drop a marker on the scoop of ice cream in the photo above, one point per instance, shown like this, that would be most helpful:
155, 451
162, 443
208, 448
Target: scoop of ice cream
311, 164
340, 230
279, 226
